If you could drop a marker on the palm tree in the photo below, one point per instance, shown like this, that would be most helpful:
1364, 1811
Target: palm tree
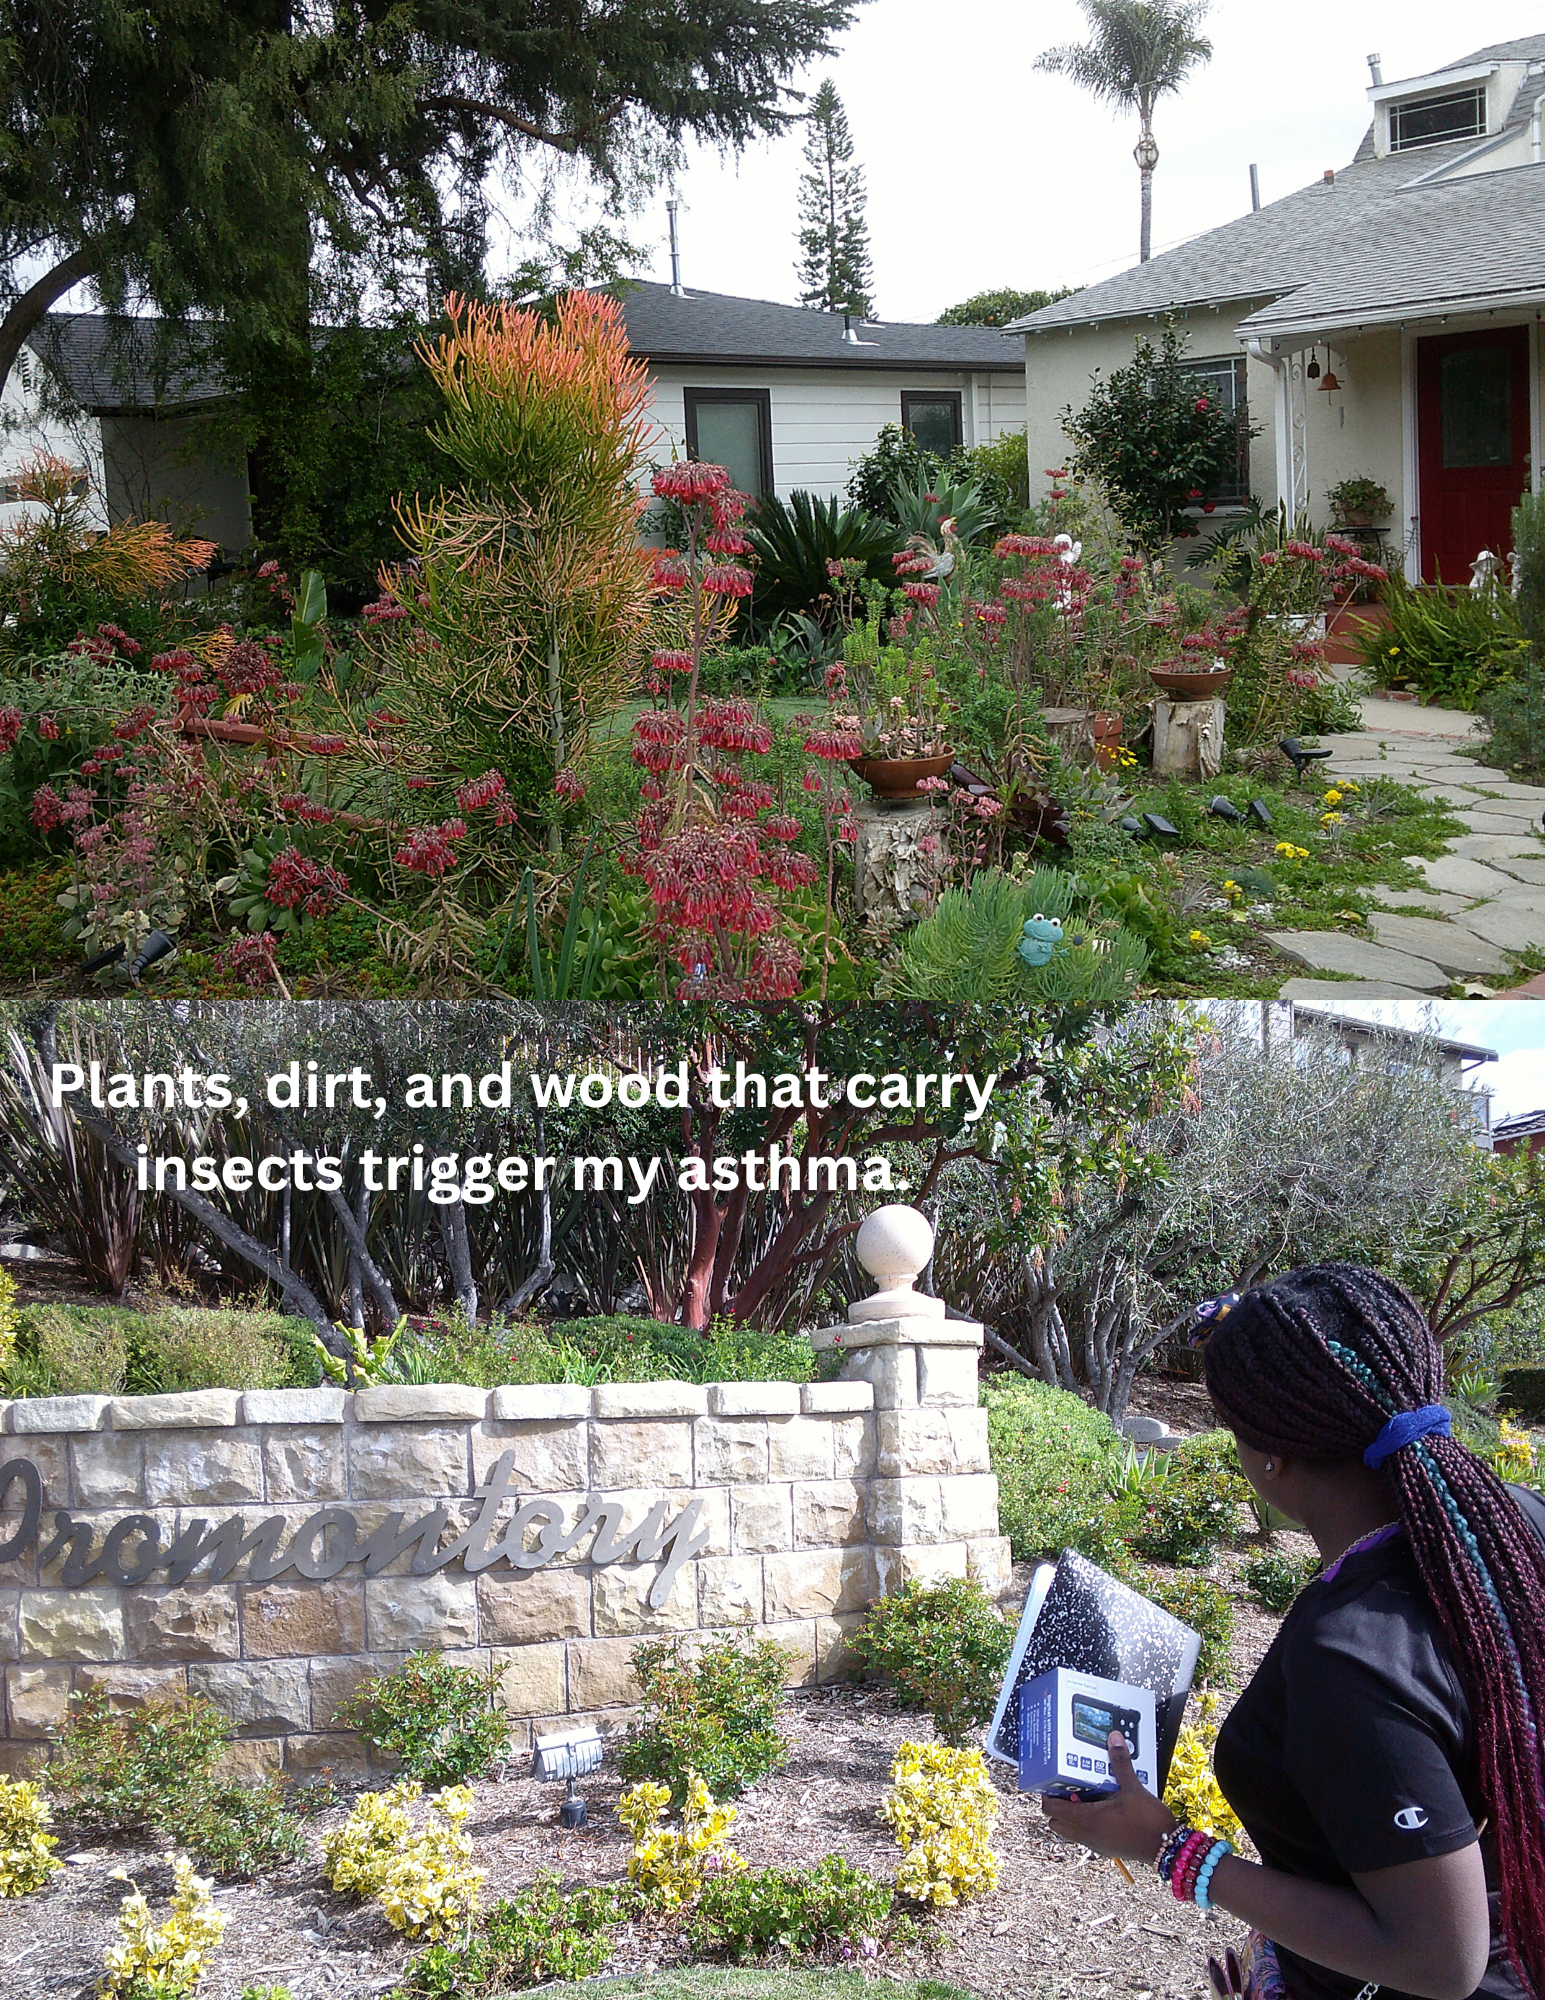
1138, 52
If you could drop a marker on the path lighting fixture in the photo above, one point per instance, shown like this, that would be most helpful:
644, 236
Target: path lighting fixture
1260, 812
568, 1754
1159, 827
156, 947
1222, 808
1299, 755
1130, 823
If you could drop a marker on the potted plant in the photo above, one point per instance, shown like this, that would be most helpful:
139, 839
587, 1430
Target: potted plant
1360, 502
902, 722
1189, 680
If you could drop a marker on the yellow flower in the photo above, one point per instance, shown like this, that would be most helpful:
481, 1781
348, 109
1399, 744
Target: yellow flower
1232, 890
1333, 797
1200, 939
1291, 853
1347, 785
941, 1808
1393, 651
1330, 819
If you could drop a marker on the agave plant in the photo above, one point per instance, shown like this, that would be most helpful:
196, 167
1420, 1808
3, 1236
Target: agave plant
794, 542
924, 506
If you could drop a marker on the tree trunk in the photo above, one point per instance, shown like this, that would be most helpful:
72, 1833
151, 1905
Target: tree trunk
536, 1281
458, 1255
29, 309
560, 746
1145, 227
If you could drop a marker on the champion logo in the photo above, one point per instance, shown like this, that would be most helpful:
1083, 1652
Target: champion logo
1409, 1818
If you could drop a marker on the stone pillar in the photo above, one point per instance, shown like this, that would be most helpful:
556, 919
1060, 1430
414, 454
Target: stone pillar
935, 1498
1188, 738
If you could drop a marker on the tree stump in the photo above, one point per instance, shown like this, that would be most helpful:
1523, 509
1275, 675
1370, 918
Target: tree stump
1188, 738
893, 873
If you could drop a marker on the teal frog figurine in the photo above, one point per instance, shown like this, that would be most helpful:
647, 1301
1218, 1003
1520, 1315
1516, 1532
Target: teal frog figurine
1041, 938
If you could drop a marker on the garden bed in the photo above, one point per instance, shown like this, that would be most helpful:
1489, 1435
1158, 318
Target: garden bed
1061, 1922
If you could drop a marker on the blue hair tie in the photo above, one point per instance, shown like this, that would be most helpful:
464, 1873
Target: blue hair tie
1404, 1428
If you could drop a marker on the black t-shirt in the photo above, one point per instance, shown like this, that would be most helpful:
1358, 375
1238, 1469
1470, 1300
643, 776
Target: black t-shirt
1351, 1749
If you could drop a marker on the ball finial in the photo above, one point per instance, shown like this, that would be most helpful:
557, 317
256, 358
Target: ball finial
895, 1244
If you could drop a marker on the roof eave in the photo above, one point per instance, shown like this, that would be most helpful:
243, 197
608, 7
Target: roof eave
1400, 313
1009, 364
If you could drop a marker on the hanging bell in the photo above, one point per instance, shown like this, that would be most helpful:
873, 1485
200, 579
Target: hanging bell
1313, 370
1330, 381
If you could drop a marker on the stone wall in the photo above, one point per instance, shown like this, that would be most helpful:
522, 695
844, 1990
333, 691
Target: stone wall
791, 1509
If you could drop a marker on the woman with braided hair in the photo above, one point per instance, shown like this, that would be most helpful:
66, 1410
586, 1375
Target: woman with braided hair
1386, 1757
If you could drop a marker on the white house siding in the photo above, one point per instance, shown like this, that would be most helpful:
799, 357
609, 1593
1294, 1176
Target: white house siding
825, 419
26, 429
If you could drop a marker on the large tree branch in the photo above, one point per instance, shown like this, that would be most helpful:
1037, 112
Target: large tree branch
29, 309
499, 114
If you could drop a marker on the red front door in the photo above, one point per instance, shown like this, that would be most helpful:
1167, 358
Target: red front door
1472, 427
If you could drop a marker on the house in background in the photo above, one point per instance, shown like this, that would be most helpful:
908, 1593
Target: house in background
789, 398
1524, 1132
1383, 322
100, 393
1458, 1063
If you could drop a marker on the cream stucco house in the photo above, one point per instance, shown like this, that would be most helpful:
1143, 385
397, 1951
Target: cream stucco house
1383, 322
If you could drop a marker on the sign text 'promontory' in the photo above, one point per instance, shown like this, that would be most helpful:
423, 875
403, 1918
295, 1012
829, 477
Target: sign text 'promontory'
329, 1541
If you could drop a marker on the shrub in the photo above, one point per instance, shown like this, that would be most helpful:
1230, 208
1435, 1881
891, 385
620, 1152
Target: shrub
442, 1721
1192, 1792
106, 1350
793, 1910
670, 1868
26, 1845
77, 1352
1452, 644
8, 1320
1183, 1518
152, 1964
1203, 1605
617, 1347
120, 1773
795, 541
1055, 1459
942, 1809
538, 1936
154, 1767
423, 1879
712, 1712
944, 1647
1276, 1579
1514, 713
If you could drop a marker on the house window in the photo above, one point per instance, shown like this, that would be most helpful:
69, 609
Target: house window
1428, 121
733, 428
933, 418
1224, 380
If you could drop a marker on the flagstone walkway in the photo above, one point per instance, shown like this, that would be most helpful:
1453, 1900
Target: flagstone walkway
1485, 897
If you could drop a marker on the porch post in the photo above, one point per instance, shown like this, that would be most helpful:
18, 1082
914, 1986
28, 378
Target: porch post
1289, 424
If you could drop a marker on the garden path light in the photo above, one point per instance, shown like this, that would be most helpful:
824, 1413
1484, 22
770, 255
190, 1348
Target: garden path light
567, 1755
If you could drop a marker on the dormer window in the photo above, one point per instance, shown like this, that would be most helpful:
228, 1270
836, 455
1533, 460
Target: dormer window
1429, 121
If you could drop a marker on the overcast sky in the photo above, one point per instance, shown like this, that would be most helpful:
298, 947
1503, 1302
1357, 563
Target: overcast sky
983, 173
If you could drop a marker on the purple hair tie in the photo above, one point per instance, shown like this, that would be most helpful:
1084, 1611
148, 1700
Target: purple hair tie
1404, 1428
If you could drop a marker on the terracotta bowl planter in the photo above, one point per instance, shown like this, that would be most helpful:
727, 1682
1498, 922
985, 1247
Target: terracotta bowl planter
1107, 740
899, 777
1190, 683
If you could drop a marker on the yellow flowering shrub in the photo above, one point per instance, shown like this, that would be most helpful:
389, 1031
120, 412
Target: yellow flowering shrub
1514, 1457
1192, 1793
942, 1809
164, 1963
669, 1866
8, 1319
26, 1845
422, 1878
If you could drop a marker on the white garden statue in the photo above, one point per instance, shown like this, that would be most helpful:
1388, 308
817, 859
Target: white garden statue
894, 1244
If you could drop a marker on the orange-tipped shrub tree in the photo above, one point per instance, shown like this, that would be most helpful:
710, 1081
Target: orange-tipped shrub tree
527, 593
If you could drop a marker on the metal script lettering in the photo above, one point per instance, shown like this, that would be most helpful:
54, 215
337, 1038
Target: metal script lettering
328, 1541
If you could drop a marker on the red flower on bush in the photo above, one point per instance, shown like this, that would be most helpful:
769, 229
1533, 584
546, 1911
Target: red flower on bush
10, 728
47, 809
476, 793
48, 728
689, 481
429, 850
296, 882
569, 785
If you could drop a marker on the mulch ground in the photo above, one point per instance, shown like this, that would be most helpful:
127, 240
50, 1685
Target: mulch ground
1061, 1924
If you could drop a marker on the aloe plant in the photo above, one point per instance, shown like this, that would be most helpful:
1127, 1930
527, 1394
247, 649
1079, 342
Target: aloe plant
792, 543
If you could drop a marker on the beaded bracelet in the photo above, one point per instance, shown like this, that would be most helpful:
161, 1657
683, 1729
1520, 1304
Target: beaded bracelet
1191, 1866
1189, 1859
1169, 1847
1175, 1863
1215, 1854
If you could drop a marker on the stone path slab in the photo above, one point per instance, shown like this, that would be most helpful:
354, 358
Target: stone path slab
1431, 903
1456, 950
1333, 951
1519, 867
1461, 876
1311, 992
1509, 925
1483, 845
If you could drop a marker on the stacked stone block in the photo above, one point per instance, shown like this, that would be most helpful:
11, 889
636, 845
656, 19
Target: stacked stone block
815, 1499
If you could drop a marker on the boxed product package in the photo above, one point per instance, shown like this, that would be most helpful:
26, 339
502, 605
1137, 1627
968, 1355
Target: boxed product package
1065, 1721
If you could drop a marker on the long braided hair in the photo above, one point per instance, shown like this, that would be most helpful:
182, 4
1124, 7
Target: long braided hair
1312, 1365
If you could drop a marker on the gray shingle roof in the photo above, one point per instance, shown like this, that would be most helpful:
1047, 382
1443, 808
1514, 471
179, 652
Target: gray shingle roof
115, 364
1297, 241
707, 327
1480, 240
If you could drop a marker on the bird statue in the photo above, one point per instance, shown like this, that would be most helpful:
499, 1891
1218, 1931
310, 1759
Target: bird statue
1042, 935
942, 555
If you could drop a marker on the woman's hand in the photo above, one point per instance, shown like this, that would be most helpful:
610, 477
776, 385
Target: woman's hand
1129, 1823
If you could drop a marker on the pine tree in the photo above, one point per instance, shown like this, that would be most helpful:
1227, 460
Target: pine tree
834, 268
